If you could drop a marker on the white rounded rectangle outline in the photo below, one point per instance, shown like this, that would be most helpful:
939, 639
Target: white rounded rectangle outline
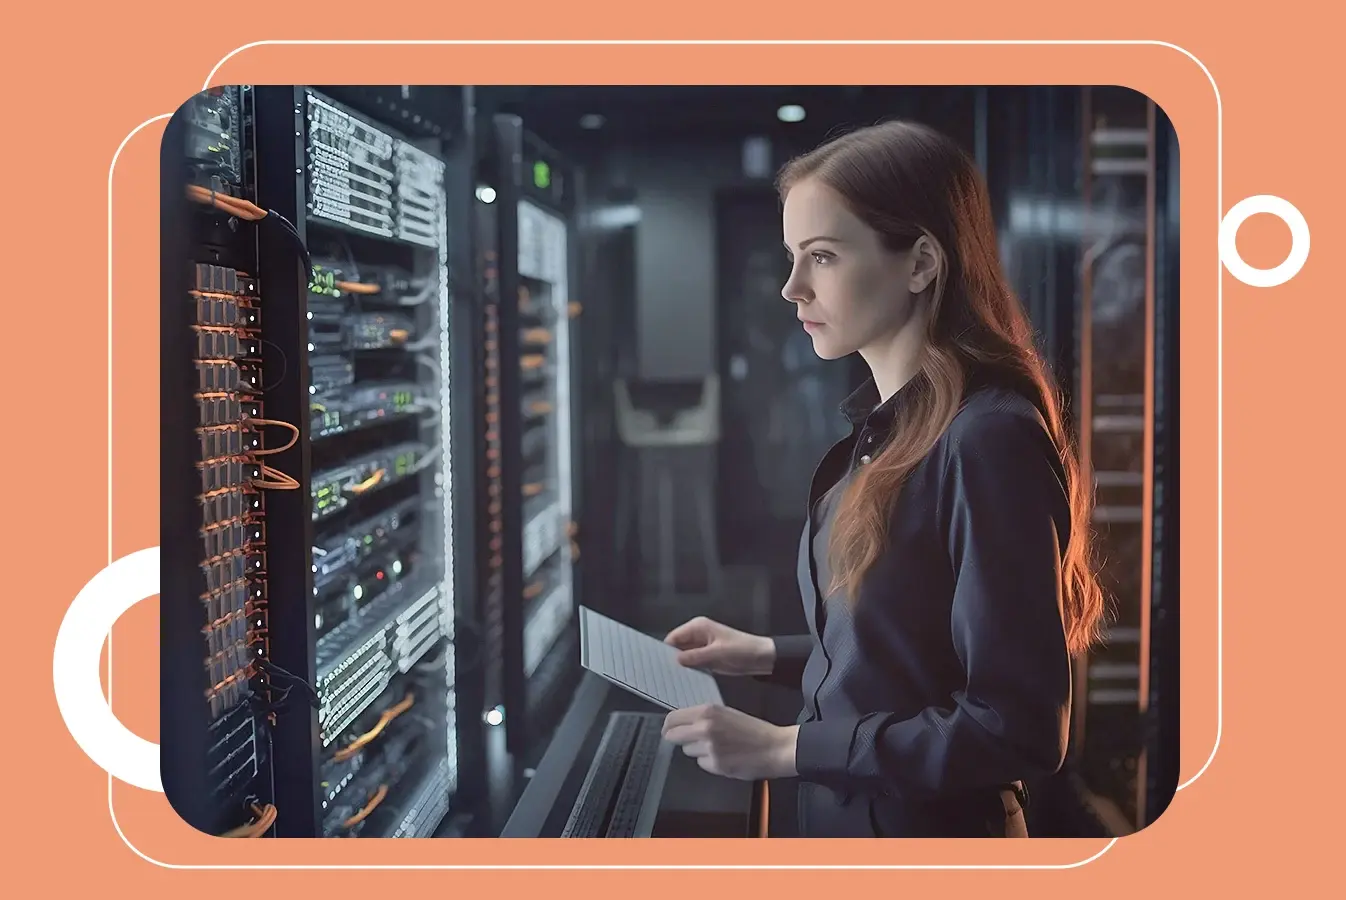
1220, 474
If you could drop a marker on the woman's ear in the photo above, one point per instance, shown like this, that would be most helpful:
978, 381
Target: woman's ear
926, 261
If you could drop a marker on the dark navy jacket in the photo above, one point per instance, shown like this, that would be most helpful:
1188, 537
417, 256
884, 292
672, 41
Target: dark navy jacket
929, 700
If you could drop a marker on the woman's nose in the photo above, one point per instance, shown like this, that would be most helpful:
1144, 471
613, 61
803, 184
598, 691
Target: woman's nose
795, 290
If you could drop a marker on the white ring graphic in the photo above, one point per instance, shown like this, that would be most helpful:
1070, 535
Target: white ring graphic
79, 689
1299, 240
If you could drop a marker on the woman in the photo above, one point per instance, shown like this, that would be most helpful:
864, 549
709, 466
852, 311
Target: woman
945, 565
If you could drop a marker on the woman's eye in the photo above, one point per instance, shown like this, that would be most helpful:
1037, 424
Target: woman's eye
821, 258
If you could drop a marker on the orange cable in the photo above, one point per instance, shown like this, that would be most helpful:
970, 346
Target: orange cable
275, 480
368, 483
279, 424
223, 202
363, 740
369, 807
358, 287
266, 817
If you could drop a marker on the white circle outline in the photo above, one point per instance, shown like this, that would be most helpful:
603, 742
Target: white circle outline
75, 676
1299, 240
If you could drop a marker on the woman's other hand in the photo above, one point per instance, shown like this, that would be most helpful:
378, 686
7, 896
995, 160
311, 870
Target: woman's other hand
733, 744
712, 647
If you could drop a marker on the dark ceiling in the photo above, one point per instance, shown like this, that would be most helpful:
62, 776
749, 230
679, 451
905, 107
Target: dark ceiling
635, 115
662, 112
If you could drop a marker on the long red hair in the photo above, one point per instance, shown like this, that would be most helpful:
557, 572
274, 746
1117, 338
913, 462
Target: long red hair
906, 181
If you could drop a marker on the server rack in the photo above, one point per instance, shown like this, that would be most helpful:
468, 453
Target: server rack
365, 356
217, 701
1161, 695
526, 209
1127, 397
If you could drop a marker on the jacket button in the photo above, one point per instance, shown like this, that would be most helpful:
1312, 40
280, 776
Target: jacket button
864, 460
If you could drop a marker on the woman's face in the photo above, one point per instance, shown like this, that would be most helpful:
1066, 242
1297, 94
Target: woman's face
850, 292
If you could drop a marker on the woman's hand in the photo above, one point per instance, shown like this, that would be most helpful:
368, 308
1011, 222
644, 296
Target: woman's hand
734, 744
712, 647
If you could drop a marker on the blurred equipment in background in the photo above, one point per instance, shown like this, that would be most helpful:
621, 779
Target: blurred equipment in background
654, 420
1126, 372
529, 198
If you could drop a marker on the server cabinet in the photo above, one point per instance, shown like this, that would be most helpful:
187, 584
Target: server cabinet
216, 698
1127, 393
1161, 693
526, 232
352, 367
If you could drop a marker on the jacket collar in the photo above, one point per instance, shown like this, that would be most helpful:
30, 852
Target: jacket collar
863, 406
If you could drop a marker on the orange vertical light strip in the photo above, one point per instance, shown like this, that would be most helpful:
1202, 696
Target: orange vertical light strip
1147, 460
764, 823
1085, 395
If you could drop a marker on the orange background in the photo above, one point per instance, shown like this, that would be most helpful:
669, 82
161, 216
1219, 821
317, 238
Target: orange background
1261, 816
